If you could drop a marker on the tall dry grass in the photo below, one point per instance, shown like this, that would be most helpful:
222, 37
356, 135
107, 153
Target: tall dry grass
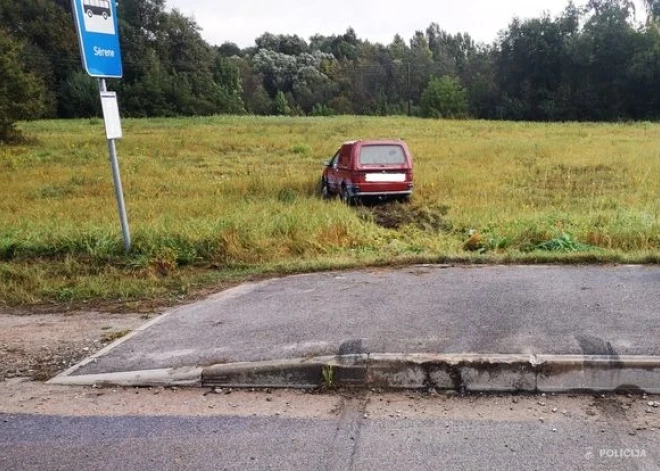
214, 198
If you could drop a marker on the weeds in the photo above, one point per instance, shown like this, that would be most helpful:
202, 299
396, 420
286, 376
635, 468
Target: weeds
301, 149
563, 243
328, 373
112, 336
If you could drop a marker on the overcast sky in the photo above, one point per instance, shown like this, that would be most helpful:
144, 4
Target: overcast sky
378, 21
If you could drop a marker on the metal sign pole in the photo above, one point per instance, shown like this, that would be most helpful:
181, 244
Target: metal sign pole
119, 192
100, 49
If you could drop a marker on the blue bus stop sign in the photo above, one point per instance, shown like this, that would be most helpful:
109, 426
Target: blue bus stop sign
98, 34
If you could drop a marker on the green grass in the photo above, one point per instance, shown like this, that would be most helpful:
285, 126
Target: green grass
214, 201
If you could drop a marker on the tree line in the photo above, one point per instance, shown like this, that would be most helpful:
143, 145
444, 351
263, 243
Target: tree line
588, 63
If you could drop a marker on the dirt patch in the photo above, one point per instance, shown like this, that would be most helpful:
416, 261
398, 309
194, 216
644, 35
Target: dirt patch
547, 411
40, 347
396, 215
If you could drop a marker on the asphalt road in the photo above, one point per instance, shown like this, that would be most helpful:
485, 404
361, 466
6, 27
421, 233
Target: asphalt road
350, 441
423, 309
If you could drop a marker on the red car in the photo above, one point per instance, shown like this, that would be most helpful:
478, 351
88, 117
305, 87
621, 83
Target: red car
369, 169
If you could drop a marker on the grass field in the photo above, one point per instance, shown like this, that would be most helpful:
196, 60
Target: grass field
219, 200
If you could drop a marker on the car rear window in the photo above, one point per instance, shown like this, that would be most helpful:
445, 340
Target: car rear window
382, 155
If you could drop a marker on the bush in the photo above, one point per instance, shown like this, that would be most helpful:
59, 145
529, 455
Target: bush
444, 98
322, 110
281, 105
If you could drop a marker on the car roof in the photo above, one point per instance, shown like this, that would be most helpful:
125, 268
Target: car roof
374, 141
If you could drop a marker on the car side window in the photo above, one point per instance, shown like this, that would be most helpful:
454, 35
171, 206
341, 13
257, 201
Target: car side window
344, 157
335, 159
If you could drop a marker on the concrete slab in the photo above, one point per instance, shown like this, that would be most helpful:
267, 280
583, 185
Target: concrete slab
515, 310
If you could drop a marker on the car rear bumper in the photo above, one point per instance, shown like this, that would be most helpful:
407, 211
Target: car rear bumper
382, 189
383, 193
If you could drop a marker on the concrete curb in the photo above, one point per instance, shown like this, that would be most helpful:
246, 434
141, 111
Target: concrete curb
463, 373
182, 377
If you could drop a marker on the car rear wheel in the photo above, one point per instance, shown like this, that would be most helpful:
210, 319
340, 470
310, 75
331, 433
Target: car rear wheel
346, 196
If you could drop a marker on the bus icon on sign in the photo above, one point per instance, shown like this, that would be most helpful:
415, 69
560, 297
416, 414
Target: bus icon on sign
97, 7
98, 16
